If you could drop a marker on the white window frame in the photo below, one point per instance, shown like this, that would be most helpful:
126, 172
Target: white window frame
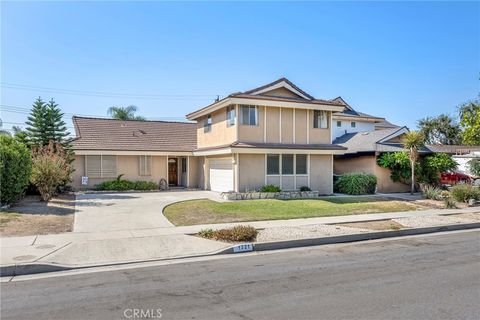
207, 124
144, 158
101, 167
339, 124
231, 116
280, 175
317, 115
353, 124
250, 107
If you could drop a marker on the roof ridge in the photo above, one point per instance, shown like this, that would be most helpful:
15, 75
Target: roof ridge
278, 81
131, 120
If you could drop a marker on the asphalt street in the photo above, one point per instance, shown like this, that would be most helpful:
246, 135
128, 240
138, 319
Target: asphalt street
427, 277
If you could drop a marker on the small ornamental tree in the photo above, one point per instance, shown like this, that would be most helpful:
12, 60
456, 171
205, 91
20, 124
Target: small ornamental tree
432, 165
51, 168
474, 166
15, 168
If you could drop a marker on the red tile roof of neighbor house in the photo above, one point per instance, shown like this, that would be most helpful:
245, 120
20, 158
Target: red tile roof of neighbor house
133, 135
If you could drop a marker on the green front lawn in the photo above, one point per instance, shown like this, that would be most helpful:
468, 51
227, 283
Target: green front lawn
208, 211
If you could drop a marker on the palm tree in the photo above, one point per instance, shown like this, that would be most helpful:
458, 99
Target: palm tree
412, 141
127, 113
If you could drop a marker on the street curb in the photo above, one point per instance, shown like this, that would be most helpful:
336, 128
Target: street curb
33, 268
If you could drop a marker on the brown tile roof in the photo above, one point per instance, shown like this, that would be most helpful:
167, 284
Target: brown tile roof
453, 149
317, 146
289, 99
133, 135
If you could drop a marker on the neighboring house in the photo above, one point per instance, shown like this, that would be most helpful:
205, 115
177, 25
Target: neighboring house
363, 150
275, 134
351, 121
460, 153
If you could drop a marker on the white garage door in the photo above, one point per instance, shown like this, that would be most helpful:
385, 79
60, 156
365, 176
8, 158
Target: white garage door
221, 175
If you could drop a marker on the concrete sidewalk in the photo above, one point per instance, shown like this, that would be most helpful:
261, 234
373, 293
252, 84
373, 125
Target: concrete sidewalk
79, 249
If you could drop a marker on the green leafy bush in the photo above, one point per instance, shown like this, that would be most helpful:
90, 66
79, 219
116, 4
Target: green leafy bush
270, 188
124, 185
356, 183
432, 165
305, 188
464, 192
431, 192
235, 234
15, 169
399, 165
474, 166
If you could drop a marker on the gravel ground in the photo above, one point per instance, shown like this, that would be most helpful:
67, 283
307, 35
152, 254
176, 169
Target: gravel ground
430, 221
305, 232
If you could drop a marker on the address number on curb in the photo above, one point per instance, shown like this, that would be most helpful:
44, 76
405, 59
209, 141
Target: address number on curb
246, 247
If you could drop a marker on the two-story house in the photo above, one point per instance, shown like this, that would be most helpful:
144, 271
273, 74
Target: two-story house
275, 134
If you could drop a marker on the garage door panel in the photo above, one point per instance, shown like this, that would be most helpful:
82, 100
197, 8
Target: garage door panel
221, 175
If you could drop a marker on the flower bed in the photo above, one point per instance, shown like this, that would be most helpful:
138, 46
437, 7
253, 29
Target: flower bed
269, 195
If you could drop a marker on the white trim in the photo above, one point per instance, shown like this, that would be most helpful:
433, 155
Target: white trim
331, 127
293, 126
400, 131
261, 102
265, 124
226, 150
237, 173
206, 175
308, 169
188, 171
237, 121
266, 181
281, 84
280, 126
129, 153
308, 127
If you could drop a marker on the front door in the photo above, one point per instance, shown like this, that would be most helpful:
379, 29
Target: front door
172, 171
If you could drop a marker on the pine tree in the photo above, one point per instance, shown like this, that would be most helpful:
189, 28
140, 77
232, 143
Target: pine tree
37, 129
57, 130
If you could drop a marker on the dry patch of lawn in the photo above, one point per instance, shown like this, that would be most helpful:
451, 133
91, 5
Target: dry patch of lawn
32, 216
467, 215
375, 225
208, 211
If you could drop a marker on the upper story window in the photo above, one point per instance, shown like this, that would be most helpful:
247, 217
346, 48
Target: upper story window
249, 115
320, 119
207, 124
231, 116
353, 124
339, 123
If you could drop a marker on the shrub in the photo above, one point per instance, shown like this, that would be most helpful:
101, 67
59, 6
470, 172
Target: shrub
463, 192
449, 203
235, 234
356, 183
399, 165
474, 166
431, 192
51, 168
305, 188
15, 169
432, 165
270, 188
124, 185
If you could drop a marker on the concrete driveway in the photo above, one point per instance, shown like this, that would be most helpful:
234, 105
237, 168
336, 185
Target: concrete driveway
96, 212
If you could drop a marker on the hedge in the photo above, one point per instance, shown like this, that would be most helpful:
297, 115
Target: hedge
124, 185
356, 183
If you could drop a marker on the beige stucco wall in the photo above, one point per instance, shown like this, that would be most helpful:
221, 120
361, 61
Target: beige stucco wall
287, 125
251, 171
193, 173
321, 175
368, 164
126, 165
248, 133
281, 92
301, 126
317, 135
220, 134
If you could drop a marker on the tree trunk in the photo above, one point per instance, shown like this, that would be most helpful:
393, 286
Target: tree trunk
412, 189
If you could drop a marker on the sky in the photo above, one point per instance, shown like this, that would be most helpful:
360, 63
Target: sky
400, 60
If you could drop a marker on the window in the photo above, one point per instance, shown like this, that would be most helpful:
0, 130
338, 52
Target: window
207, 124
301, 164
287, 164
101, 166
353, 124
145, 165
249, 115
230, 116
339, 123
320, 119
273, 164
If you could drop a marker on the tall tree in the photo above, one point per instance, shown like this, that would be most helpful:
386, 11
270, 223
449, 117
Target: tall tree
3, 132
127, 113
470, 122
413, 141
20, 134
57, 129
37, 123
442, 129
45, 123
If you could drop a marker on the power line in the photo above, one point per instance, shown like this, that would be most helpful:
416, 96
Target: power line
167, 97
